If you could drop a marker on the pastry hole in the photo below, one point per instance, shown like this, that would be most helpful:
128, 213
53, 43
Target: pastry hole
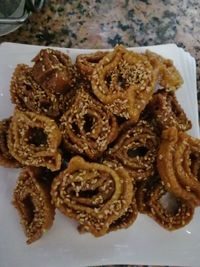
170, 203
29, 209
108, 80
88, 193
121, 81
121, 120
195, 165
3, 140
75, 128
46, 105
88, 123
28, 87
37, 136
139, 151
156, 107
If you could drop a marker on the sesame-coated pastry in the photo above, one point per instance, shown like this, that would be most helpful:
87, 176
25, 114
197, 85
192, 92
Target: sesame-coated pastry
167, 112
87, 127
124, 81
34, 140
6, 159
169, 76
130, 215
86, 63
27, 95
102, 139
136, 149
31, 198
178, 164
93, 194
168, 210
54, 71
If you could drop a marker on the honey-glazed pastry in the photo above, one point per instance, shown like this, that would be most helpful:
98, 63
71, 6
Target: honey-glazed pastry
169, 77
34, 140
27, 95
168, 210
178, 164
136, 149
127, 218
93, 194
167, 111
86, 63
32, 200
130, 215
87, 127
6, 159
124, 81
54, 71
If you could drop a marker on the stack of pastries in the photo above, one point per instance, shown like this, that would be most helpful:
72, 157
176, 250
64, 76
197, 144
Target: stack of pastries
101, 140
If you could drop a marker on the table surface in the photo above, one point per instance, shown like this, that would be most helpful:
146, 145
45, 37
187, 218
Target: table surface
103, 24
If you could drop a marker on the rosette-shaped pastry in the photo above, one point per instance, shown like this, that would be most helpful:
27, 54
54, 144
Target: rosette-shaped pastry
168, 112
93, 194
32, 200
165, 208
130, 215
87, 127
86, 63
136, 150
6, 159
54, 71
126, 219
178, 164
34, 139
26, 94
124, 81
169, 76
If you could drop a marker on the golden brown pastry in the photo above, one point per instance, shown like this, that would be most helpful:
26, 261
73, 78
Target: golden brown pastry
124, 81
167, 111
136, 149
54, 71
27, 95
178, 164
169, 76
32, 200
86, 63
34, 140
168, 210
130, 215
93, 194
87, 127
6, 159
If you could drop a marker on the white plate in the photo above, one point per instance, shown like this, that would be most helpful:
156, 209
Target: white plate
144, 242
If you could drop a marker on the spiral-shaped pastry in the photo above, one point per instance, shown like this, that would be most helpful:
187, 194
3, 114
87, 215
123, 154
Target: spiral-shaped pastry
166, 209
130, 215
167, 111
178, 164
31, 198
136, 150
87, 127
124, 81
6, 159
34, 139
27, 95
93, 194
